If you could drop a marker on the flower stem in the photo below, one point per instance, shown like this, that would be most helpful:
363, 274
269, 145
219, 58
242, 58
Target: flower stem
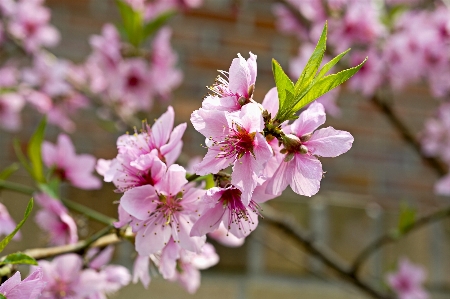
67, 202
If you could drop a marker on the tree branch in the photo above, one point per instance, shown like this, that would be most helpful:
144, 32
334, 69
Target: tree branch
289, 226
407, 136
93, 214
393, 237
101, 239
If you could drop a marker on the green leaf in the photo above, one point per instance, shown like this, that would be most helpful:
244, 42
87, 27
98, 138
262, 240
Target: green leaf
9, 237
313, 64
133, 22
2, 297
22, 159
18, 258
330, 64
151, 27
285, 88
51, 188
324, 85
406, 218
8, 171
34, 152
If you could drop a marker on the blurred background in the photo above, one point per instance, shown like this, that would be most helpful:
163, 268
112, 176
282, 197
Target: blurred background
360, 195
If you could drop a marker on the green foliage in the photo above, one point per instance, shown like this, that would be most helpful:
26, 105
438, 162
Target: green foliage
2, 297
9, 237
18, 258
133, 26
34, 152
22, 159
151, 27
311, 84
8, 171
406, 218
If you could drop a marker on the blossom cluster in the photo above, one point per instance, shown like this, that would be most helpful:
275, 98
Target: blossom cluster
406, 44
117, 77
171, 215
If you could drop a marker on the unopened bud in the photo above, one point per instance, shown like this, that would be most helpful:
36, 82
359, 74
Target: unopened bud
305, 137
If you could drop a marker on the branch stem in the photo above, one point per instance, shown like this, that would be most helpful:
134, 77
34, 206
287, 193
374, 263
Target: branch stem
322, 252
93, 214
392, 237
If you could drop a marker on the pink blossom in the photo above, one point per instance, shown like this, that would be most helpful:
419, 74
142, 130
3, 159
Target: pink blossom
48, 74
236, 89
54, 219
435, 138
66, 278
140, 270
7, 224
131, 84
407, 281
30, 288
360, 25
106, 48
234, 139
300, 168
223, 236
163, 75
76, 169
370, 76
177, 264
29, 23
167, 209
224, 205
442, 186
141, 156
11, 105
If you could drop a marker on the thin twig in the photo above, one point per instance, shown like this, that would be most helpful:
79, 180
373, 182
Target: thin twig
407, 136
289, 226
101, 239
393, 237
93, 214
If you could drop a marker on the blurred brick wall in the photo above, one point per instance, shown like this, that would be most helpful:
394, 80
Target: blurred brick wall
379, 168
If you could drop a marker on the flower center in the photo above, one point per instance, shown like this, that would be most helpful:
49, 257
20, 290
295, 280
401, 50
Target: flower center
404, 284
169, 205
238, 212
237, 143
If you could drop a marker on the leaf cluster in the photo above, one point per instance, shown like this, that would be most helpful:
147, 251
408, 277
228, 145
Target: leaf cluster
311, 84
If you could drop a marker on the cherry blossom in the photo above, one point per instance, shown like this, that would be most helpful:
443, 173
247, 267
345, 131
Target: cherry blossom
300, 168
165, 210
68, 166
234, 139
141, 156
11, 105
224, 205
54, 219
7, 224
235, 88
30, 288
407, 281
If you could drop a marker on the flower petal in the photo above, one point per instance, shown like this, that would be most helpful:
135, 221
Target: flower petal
328, 142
